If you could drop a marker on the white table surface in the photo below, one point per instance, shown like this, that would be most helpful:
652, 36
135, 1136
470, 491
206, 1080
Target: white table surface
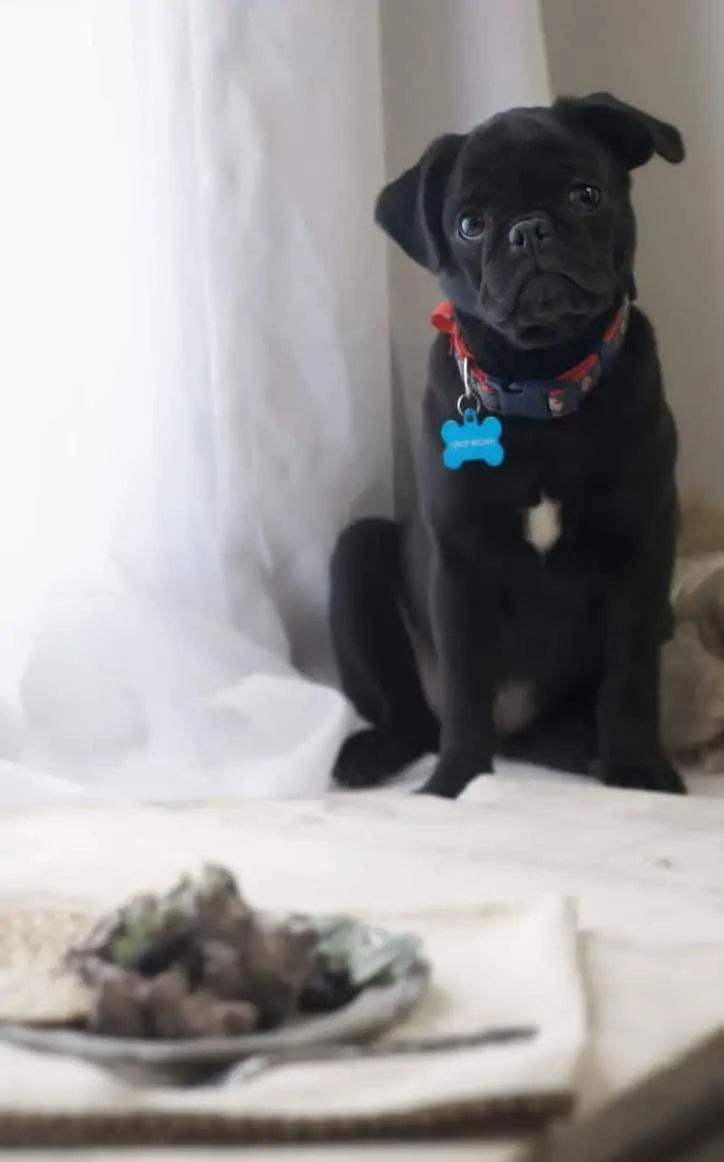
647, 871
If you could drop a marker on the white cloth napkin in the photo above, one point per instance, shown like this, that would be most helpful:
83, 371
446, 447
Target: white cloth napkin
491, 967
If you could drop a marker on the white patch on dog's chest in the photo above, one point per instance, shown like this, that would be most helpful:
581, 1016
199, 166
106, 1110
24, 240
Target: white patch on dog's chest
542, 524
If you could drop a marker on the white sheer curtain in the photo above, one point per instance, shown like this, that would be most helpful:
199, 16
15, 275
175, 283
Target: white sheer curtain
195, 383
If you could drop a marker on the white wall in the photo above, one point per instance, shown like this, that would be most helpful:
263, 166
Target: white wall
447, 65
666, 55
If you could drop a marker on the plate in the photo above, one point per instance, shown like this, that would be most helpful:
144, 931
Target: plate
389, 969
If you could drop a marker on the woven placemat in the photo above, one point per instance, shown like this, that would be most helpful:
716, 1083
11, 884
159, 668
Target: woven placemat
514, 1116
34, 938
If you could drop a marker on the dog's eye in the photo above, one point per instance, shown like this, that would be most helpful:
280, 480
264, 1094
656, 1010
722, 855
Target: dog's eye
584, 197
471, 225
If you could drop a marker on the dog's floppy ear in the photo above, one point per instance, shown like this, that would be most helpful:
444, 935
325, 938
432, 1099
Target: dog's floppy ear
410, 208
631, 135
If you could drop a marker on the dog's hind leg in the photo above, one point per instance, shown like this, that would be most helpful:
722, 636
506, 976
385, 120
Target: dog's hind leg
565, 738
375, 657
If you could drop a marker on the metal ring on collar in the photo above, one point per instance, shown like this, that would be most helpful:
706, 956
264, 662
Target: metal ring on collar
465, 402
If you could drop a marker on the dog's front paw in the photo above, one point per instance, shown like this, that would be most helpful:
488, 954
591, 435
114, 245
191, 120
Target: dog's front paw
658, 776
451, 777
371, 757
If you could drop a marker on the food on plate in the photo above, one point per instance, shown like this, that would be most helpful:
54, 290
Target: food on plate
196, 962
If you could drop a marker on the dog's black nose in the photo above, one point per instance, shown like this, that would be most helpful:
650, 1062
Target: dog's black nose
529, 233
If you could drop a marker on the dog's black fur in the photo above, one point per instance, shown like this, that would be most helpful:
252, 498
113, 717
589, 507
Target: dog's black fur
582, 625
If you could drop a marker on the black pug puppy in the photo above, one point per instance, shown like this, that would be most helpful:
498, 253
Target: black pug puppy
535, 578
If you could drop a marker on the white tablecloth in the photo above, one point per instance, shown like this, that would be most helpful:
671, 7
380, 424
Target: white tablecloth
646, 870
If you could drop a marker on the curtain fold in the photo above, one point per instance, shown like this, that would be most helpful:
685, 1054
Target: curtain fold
196, 367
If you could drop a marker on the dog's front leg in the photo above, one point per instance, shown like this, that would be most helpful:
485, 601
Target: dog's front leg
464, 625
637, 611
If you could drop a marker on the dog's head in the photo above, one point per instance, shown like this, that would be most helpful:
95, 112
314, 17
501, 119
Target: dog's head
527, 221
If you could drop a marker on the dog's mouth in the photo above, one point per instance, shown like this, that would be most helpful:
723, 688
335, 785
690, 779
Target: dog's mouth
547, 296
542, 307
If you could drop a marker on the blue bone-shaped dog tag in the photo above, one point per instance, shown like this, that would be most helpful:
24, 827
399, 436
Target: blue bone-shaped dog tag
472, 440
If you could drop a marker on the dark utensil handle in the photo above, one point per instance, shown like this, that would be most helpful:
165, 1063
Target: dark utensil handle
254, 1066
